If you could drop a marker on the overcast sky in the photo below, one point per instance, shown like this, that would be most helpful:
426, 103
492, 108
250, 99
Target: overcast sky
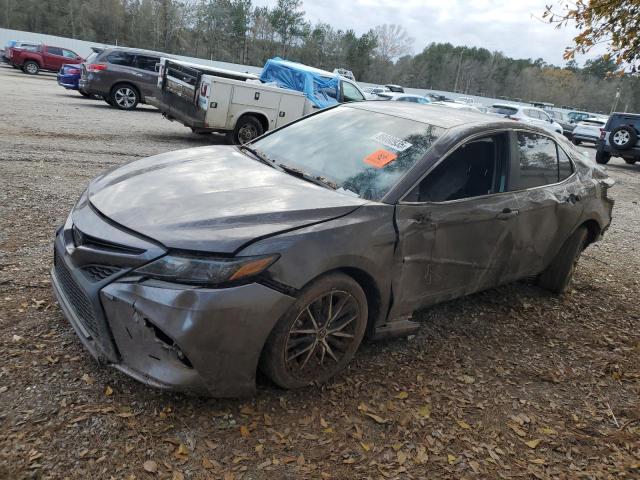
510, 26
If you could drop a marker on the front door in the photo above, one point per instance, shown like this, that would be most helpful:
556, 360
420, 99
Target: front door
458, 233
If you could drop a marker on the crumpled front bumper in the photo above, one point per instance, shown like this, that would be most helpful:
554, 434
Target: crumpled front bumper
169, 336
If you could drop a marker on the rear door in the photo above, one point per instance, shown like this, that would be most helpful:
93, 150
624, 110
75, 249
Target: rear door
53, 58
457, 228
145, 69
548, 195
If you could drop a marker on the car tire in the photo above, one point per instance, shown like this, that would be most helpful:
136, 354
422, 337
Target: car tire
247, 128
630, 161
575, 141
30, 67
557, 277
602, 158
84, 94
623, 137
124, 97
325, 339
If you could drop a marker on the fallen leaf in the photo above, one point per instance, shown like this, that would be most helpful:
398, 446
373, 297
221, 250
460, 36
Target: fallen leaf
177, 475
244, 431
323, 423
401, 457
467, 379
537, 461
365, 446
87, 379
300, 460
150, 466
463, 424
421, 455
547, 431
182, 450
518, 431
108, 391
451, 459
206, 463
533, 443
424, 411
377, 418
402, 395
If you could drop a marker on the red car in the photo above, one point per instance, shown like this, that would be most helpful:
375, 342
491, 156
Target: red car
42, 57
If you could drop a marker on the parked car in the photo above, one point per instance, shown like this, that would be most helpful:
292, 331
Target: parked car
459, 106
343, 72
588, 130
124, 77
69, 74
44, 57
17, 45
374, 90
404, 97
529, 115
394, 88
192, 269
569, 121
244, 106
619, 138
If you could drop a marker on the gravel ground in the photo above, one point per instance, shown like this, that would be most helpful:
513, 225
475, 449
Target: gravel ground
508, 383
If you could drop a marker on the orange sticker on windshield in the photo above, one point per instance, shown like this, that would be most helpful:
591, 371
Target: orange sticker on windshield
380, 158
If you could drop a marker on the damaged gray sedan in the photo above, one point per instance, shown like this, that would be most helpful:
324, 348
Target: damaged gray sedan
193, 269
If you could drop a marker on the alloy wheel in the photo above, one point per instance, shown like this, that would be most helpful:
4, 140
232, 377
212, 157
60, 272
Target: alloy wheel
321, 335
621, 137
125, 97
31, 68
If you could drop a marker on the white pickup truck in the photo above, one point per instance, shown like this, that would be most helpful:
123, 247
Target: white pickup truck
208, 99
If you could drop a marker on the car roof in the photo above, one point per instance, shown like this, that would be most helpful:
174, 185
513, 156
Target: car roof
134, 51
437, 115
634, 115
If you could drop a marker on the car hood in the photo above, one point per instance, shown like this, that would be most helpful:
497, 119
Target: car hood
213, 199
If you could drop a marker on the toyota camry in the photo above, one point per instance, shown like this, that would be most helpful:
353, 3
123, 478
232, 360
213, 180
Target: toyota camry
192, 270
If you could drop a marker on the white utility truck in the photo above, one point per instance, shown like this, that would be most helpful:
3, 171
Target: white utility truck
208, 99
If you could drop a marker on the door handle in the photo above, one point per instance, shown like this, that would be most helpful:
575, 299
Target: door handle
507, 213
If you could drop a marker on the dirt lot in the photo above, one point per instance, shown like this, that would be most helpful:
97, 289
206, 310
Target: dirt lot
509, 383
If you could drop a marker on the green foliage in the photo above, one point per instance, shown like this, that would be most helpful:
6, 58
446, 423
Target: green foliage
238, 31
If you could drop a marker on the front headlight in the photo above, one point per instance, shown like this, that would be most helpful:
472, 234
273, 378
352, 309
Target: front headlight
206, 270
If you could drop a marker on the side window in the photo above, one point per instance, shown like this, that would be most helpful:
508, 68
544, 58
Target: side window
54, 51
120, 58
476, 168
68, 53
350, 93
564, 165
146, 63
538, 161
423, 101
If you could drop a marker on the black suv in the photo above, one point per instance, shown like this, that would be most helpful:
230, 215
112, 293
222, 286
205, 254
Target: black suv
619, 138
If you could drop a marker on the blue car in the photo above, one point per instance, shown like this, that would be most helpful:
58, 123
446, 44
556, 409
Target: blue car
69, 76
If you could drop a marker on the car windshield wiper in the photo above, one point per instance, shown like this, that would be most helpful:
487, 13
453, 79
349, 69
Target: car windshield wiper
323, 182
259, 156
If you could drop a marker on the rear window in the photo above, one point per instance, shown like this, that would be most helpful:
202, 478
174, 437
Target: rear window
120, 58
502, 110
598, 123
617, 120
54, 51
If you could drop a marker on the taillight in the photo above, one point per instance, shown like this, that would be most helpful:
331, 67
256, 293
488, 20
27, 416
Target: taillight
602, 134
96, 67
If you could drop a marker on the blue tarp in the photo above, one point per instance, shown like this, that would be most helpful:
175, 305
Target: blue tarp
321, 88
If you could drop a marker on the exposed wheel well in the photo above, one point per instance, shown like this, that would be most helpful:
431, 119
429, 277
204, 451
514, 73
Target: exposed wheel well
593, 231
372, 292
32, 61
258, 116
119, 84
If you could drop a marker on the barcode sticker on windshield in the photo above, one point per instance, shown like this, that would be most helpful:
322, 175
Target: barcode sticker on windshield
391, 141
